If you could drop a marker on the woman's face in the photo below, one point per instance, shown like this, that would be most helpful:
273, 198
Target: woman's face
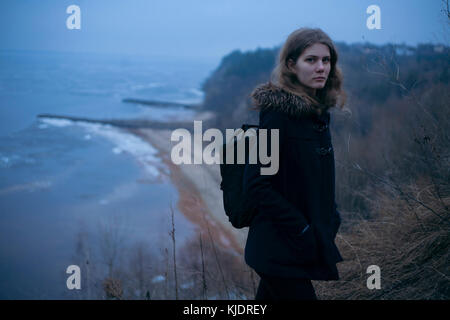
312, 67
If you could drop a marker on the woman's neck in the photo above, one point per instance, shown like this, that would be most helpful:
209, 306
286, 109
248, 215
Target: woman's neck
310, 91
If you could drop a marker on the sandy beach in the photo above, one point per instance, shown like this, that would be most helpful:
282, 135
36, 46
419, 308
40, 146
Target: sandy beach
200, 197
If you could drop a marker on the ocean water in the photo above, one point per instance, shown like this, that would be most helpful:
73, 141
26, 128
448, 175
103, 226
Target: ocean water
71, 189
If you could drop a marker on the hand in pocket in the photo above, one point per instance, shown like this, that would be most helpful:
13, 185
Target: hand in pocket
304, 244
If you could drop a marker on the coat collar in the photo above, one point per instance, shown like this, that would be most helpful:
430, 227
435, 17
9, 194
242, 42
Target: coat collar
270, 96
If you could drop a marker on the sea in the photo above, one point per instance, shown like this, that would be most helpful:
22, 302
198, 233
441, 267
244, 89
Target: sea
82, 192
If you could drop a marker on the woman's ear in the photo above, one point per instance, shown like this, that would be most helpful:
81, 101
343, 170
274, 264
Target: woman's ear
290, 64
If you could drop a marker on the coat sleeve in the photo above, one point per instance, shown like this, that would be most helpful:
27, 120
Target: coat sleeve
258, 188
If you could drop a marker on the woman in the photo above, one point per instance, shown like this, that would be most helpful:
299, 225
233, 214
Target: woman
291, 239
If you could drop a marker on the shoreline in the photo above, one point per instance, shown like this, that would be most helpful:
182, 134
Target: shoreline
198, 186
200, 197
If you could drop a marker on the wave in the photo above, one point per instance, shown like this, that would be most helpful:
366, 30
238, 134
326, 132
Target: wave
30, 186
10, 160
150, 85
123, 142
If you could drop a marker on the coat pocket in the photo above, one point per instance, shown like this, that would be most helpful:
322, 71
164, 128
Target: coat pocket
303, 245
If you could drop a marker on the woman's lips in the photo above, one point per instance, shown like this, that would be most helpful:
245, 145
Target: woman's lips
319, 79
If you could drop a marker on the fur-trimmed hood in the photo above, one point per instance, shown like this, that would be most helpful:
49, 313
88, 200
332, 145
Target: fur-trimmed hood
270, 96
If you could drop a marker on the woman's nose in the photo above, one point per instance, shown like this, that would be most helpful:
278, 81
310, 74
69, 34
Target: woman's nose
320, 66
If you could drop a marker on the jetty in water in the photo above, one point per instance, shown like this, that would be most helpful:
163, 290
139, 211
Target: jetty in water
159, 104
123, 123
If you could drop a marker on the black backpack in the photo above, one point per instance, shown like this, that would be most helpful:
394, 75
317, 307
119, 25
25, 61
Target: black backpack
234, 202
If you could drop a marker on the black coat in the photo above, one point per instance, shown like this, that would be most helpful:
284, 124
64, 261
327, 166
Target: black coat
301, 193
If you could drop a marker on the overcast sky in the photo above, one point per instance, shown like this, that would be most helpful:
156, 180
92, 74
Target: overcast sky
209, 28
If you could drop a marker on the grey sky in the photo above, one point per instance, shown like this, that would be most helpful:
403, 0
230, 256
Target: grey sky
209, 28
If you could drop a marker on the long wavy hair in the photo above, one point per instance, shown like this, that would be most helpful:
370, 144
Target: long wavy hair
332, 94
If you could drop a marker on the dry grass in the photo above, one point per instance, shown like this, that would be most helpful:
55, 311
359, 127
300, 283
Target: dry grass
407, 236
409, 243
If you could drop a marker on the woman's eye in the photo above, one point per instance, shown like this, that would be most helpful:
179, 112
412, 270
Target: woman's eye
326, 59
309, 59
